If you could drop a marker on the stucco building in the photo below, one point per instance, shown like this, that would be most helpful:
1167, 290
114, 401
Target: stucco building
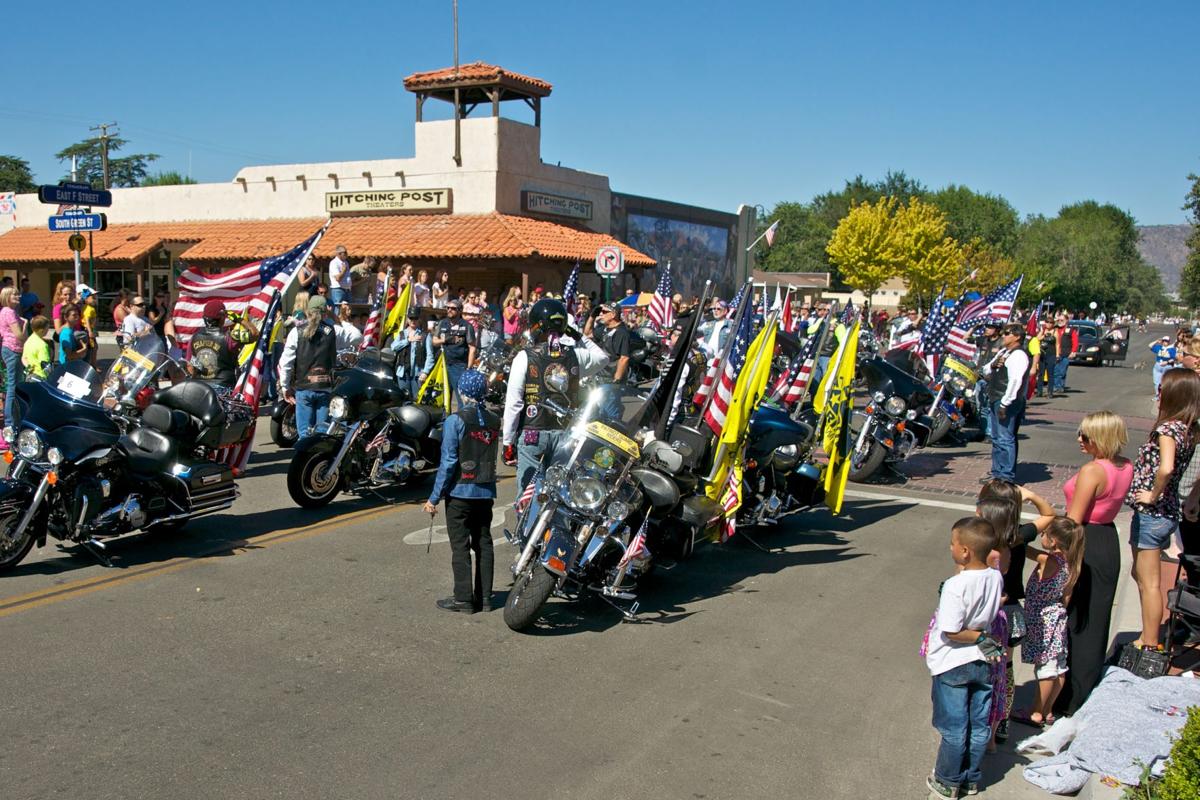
475, 199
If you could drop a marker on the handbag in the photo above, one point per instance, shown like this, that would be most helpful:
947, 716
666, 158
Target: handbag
1143, 662
1016, 624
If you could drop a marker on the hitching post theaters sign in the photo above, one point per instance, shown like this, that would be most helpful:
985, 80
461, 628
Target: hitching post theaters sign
389, 201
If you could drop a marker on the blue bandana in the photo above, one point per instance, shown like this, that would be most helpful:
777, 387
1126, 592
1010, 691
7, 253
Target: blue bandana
473, 386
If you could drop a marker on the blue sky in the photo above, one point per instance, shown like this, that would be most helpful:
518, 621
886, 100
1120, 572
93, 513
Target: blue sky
713, 104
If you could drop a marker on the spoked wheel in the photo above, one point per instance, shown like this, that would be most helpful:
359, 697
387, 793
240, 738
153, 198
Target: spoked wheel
284, 432
529, 593
865, 461
311, 481
13, 549
941, 426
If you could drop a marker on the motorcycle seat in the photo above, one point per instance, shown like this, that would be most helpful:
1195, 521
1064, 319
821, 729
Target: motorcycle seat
148, 451
197, 399
416, 421
168, 421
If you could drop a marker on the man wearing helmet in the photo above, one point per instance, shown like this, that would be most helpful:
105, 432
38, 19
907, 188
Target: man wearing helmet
547, 369
214, 353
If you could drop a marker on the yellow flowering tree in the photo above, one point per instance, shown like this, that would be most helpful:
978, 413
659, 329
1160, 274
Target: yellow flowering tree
865, 247
930, 259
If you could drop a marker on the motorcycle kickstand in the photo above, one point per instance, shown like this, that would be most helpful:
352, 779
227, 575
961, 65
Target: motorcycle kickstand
891, 466
750, 539
627, 615
96, 549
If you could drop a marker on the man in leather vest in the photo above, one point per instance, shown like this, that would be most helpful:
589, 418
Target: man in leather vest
213, 352
1008, 376
306, 367
548, 369
457, 339
988, 346
414, 354
466, 478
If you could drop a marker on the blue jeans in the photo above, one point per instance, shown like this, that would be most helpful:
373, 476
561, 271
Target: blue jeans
455, 371
962, 698
529, 456
1060, 373
312, 411
1159, 371
985, 410
13, 374
337, 295
818, 373
1004, 438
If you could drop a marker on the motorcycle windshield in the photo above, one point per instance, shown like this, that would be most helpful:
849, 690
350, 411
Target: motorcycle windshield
135, 368
604, 431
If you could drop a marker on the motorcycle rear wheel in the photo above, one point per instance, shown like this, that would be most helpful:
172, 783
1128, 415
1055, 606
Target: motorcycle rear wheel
283, 432
529, 593
12, 552
309, 482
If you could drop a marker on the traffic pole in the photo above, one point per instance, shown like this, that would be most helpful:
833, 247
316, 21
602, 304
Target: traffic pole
75, 178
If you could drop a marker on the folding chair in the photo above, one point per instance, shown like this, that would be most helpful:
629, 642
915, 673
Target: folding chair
1183, 603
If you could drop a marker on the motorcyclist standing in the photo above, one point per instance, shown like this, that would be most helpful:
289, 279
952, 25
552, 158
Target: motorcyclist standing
214, 353
548, 368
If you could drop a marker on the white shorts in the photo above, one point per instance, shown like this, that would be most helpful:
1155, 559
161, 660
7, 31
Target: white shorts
1051, 669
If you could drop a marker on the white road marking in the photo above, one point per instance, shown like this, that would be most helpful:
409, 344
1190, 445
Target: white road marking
421, 537
921, 501
764, 699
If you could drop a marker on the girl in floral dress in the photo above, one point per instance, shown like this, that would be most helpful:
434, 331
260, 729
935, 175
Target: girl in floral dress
1046, 598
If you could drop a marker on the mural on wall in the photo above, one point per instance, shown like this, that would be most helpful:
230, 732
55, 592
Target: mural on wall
697, 251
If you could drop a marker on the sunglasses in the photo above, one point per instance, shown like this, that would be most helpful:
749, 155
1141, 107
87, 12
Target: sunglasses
1083, 437
139, 305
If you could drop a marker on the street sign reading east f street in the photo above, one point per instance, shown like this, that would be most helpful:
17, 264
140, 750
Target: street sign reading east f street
74, 194
73, 223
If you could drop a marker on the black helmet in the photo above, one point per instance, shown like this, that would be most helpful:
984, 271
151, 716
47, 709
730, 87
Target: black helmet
548, 316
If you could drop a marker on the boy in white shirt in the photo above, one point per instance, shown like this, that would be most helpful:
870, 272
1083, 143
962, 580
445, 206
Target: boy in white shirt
958, 657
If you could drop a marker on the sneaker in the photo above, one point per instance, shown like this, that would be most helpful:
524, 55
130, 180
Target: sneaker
1002, 731
939, 789
970, 789
450, 604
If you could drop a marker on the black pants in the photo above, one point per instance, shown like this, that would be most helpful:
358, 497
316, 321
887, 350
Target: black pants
469, 526
1190, 533
1089, 615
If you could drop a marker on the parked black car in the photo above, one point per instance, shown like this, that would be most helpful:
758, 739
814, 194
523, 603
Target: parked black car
1097, 345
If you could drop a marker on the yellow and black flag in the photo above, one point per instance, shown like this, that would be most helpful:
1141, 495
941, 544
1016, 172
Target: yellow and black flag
834, 401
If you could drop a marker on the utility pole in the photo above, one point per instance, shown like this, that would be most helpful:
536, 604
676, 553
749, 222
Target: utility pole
104, 137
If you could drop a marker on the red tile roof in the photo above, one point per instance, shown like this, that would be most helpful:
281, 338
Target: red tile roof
493, 235
128, 242
476, 73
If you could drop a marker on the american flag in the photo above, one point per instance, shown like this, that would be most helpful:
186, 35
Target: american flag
380, 441
849, 314
715, 415
527, 495
660, 311
248, 389
710, 376
731, 498
247, 289
637, 546
374, 321
935, 332
997, 304
770, 234
570, 290
791, 384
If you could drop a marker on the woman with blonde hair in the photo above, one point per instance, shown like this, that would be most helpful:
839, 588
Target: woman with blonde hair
64, 294
511, 314
12, 331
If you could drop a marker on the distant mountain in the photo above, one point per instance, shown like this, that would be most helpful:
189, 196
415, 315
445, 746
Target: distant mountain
1165, 246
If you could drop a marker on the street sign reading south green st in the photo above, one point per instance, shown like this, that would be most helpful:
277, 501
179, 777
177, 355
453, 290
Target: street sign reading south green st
73, 223
74, 194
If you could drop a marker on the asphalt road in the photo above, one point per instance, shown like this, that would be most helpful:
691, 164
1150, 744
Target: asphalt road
272, 652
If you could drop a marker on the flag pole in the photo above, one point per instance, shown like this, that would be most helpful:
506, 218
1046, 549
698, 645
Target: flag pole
750, 246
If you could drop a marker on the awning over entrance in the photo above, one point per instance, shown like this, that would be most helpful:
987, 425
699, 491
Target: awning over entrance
128, 243
475, 236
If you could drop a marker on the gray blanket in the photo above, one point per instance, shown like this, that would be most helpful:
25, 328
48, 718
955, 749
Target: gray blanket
1126, 723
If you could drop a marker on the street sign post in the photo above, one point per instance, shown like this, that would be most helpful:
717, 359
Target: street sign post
73, 223
74, 194
77, 242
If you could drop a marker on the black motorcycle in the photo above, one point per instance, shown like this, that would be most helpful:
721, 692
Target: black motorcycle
955, 405
283, 413
894, 421
93, 460
604, 508
376, 438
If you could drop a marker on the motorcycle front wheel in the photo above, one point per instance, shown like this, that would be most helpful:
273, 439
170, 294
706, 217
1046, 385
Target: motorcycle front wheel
283, 432
13, 551
941, 426
309, 480
529, 593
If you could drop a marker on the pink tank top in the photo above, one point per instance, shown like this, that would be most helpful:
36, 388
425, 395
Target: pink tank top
1108, 503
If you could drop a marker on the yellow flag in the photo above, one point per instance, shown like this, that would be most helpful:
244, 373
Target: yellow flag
438, 379
837, 397
399, 311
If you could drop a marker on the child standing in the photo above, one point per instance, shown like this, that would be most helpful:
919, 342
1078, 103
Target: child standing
958, 658
35, 354
1154, 493
1046, 598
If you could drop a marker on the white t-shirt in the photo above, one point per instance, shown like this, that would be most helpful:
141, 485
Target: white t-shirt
339, 274
439, 302
348, 336
132, 326
970, 601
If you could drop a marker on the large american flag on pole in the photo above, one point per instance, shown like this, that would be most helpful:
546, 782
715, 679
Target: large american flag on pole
935, 332
247, 289
661, 312
996, 305
715, 415
248, 389
571, 290
791, 384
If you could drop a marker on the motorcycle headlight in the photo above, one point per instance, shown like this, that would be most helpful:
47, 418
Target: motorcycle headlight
787, 456
959, 384
54, 456
10, 433
586, 494
895, 406
617, 511
556, 479
339, 408
969, 391
879, 397
29, 446
1093, 349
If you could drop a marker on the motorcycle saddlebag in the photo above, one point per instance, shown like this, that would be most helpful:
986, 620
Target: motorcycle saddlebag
204, 476
695, 440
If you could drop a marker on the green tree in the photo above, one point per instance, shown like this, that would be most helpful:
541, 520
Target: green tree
929, 258
1189, 280
865, 246
123, 172
171, 178
15, 175
987, 219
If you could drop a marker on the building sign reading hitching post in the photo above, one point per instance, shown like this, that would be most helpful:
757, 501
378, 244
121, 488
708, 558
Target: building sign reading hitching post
556, 205
389, 201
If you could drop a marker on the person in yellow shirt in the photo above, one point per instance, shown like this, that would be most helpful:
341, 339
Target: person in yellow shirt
88, 317
35, 354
